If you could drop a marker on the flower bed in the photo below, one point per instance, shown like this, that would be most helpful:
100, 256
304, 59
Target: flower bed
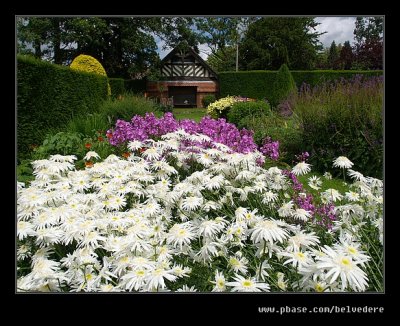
185, 213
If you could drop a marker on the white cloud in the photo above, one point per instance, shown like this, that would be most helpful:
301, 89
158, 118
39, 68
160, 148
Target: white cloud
339, 29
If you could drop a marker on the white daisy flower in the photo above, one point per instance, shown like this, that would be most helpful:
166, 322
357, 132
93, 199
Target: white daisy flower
219, 281
315, 182
91, 154
338, 264
342, 162
268, 230
301, 214
301, 168
242, 284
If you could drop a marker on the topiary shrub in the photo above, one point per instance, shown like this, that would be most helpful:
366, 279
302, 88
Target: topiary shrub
240, 110
87, 63
283, 86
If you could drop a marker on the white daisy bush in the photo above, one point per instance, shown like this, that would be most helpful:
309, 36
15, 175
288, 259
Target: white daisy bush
193, 218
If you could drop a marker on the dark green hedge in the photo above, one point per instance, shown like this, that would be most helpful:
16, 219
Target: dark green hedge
259, 83
135, 86
254, 84
117, 86
49, 95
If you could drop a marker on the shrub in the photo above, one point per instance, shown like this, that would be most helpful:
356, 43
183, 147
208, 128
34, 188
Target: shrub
89, 124
285, 130
240, 110
117, 87
89, 64
344, 118
126, 107
283, 86
65, 143
208, 99
219, 109
48, 96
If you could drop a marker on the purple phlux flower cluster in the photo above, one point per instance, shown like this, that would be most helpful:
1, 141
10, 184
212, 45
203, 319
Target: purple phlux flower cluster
327, 214
324, 215
270, 148
297, 185
220, 131
306, 203
303, 157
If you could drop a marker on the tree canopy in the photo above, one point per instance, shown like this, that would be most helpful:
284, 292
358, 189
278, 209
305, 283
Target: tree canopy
272, 41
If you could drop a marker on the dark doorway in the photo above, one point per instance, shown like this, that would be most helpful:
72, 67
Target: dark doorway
183, 96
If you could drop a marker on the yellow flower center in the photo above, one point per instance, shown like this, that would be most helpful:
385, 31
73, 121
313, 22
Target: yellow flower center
247, 283
124, 259
234, 262
319, 287
89, 277
300, 255
221, 284
140, 273
352, 250
345, 261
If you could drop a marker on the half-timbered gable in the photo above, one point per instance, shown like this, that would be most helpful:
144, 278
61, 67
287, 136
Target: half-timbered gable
186, 79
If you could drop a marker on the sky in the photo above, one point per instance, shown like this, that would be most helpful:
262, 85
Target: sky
339, 29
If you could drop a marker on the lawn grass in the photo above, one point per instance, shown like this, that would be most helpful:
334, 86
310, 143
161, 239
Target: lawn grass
189, 113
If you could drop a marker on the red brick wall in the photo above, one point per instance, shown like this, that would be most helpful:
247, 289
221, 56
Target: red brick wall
203, 88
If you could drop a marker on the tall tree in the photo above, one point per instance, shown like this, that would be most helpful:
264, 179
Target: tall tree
125, 46
346, 56
273, 41
223, 33
223, 59
368, 34
333, 57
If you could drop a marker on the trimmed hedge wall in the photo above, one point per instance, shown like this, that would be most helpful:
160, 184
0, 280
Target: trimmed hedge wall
258, 83
254, 84
49, 95
135, 86
117, 86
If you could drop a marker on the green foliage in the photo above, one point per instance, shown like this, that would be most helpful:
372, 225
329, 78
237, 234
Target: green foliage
126, 45
273, 41
68, 143
126, 107
223, 59
344, 119
24, 172
89, 124
333, 56
286, 130
117, 86
208, 99
64, 143
258, 84
48, 96
135, 86
240, 110
253, 84
283, 86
